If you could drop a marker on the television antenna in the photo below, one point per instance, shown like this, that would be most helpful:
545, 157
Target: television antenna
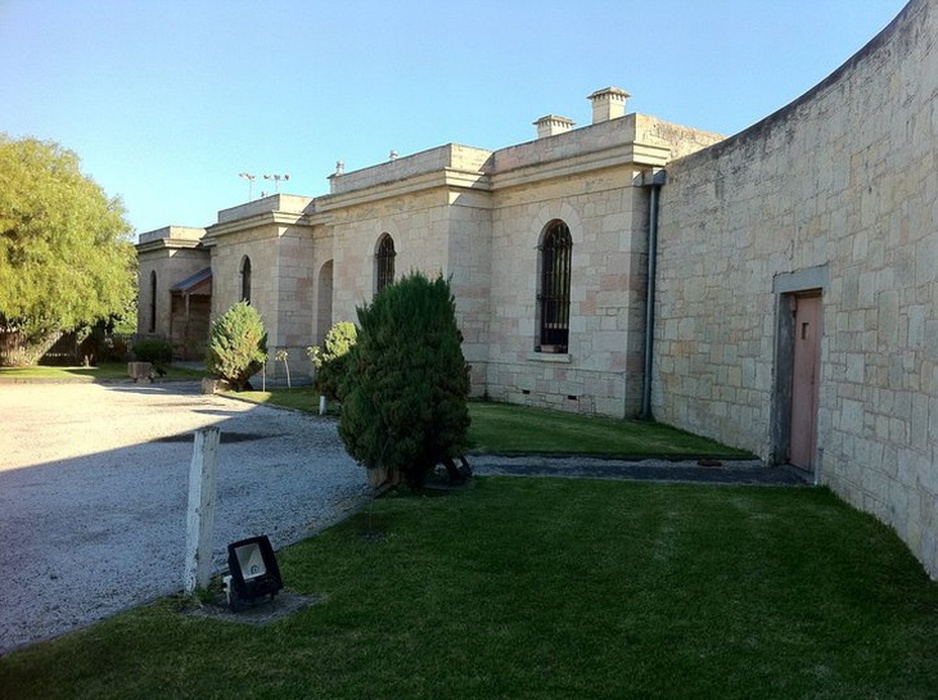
277, 179
250, 178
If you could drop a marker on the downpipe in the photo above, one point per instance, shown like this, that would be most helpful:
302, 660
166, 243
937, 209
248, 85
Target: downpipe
654, 181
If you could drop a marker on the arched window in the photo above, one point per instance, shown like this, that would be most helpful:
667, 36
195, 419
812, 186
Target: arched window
246, 279
153, 301
384, 262
553, 299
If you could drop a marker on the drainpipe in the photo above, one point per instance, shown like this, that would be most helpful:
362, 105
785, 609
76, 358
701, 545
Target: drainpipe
654, 180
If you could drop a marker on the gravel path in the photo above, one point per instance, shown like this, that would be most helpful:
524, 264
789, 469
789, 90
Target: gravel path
723, 471
94, 483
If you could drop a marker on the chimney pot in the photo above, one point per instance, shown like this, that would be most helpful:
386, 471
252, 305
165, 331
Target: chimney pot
551, 125
608, 103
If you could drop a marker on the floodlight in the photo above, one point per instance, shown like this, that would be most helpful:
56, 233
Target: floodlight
254, 570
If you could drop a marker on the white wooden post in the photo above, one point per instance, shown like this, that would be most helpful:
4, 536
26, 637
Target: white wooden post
201, 513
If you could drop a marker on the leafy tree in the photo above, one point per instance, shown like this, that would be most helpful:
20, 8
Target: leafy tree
331, 360
237, 347
66, 259
405, 392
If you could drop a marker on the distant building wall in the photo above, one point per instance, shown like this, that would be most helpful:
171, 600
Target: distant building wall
260, 246
601, 370
417, 223
477, 218
276, 236
173, 253
437, 229
834, 195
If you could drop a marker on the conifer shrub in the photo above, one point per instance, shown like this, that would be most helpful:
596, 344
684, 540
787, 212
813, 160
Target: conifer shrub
406, 387
237, 346
331, 360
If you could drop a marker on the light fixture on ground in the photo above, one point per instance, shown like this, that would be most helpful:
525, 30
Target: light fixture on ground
253, 571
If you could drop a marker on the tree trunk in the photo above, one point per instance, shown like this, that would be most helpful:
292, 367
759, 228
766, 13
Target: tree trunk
18, 349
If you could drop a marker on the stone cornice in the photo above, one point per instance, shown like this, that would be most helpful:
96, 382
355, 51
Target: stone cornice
630, 153
167, 244
636, 154
448, 178
267, 218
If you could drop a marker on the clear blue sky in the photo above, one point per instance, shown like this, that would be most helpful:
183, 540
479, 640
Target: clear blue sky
166, 101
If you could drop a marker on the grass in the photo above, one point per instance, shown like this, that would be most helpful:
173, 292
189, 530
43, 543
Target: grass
504, 429
299, 399
103, 372
546, 588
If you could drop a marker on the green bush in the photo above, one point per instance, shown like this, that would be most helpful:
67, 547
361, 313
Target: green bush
331, 359
155, 350
102, 346
406, 387
237, 346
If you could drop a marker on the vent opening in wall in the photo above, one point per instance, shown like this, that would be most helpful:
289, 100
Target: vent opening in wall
571, 397
526, 392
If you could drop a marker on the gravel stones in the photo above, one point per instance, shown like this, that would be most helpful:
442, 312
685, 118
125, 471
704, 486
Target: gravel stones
93, 489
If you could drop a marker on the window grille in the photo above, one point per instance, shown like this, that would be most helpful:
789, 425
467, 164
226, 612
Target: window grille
153, 302
554, 298
246, 279
384, 263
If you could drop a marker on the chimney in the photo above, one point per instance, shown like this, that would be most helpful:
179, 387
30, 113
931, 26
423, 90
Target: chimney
551, 125
608, 103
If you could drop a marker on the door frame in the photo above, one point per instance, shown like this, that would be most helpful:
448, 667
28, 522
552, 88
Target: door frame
786, 287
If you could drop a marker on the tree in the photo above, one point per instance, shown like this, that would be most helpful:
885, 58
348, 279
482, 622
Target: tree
406, 386
66, 258
237, 347
331, 359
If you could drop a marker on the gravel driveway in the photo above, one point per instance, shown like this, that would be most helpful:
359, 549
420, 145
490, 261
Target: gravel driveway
94, 483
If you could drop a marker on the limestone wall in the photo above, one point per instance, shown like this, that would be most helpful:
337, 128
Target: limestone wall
836, 192
601, 372
435, 231
432, 161
296, 204
173, 254
281, 285
469, 268
323, 269
261, 246
417, 224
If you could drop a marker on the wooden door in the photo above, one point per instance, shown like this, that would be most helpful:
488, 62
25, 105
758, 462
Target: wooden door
805, 378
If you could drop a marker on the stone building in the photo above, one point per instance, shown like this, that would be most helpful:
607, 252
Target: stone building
174, 289
544, 243
794, 308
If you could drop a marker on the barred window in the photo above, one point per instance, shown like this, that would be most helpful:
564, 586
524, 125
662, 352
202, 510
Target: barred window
384, 262
152, 302
554, 293
246, 279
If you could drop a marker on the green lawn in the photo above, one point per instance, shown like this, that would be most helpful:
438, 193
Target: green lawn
546, 588
109, 371
301, 398
504, 429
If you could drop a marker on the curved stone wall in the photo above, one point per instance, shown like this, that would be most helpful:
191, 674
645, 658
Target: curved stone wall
836, 193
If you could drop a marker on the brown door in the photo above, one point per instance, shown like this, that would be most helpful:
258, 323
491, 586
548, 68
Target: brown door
804, 393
